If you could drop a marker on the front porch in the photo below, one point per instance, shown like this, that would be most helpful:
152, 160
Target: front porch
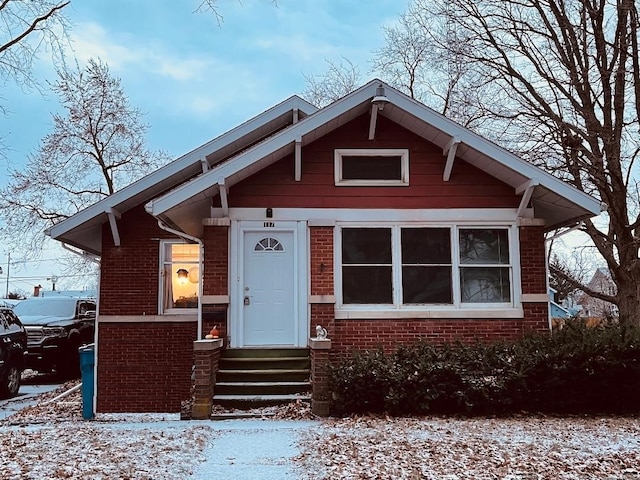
250, 378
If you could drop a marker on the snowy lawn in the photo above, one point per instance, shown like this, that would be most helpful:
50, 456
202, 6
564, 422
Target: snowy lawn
53, 442
523, 448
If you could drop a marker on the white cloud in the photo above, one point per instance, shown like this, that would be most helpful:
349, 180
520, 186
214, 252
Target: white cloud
122, 53
91, 40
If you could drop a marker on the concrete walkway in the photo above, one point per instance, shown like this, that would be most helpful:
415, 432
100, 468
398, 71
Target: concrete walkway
252, 449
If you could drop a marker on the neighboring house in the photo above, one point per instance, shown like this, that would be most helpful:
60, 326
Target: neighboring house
596, 308
375, 217
556, 310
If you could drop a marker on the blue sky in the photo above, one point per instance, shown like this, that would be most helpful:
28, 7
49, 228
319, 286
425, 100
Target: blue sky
193, 78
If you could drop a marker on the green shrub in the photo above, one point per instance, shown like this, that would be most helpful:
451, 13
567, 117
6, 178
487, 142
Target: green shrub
574, 370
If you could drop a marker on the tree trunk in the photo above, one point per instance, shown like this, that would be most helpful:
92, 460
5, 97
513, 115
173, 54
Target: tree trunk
629, 303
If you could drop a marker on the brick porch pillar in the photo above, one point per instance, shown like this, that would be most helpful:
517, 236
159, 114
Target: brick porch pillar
206, 354
321, 393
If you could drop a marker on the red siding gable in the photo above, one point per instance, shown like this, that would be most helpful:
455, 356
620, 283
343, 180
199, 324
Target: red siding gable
468, 187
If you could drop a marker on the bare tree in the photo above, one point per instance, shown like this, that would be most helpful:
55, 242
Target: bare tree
558, 82
29, 27
571, 70
211, 7
337, 81
96, 147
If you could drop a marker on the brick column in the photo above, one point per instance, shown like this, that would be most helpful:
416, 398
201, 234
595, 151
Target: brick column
321, 393
533, 272
206, 354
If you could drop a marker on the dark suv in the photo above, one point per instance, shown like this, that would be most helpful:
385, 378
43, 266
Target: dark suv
13, 344
56, 328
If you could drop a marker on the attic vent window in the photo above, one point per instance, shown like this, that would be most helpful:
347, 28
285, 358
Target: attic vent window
371, 167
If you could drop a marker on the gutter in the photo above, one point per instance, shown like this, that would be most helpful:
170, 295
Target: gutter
200, 267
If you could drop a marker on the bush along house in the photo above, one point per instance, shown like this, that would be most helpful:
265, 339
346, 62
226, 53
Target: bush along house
374, 217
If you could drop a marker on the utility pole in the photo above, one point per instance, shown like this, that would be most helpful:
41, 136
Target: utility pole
6, 294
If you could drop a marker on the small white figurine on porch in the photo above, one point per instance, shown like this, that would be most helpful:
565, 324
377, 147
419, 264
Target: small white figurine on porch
321, 333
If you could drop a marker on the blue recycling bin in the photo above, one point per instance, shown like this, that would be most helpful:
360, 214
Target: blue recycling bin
87, 367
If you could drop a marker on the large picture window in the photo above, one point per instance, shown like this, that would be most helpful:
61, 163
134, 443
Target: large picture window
405, 266
180, 276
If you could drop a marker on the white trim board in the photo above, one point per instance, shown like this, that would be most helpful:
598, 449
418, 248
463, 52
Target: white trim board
488, 216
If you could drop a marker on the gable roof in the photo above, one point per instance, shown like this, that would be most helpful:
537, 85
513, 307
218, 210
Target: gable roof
188, 194
555, 201
84, 229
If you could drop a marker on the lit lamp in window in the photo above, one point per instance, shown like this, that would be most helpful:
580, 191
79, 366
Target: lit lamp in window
194, 275
183, 276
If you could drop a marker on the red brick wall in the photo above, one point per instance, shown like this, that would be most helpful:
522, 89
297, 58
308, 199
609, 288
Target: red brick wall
215, 281
144, 367
349, 335
532, 260
216, 260
129, 273
321, 253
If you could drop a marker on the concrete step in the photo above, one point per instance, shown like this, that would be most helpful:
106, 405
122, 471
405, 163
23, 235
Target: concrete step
257, 377
246, 402
261, 388
261, 363
269, 375
265, 352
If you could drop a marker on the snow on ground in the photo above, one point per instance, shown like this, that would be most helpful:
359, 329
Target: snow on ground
52, 441
524, 448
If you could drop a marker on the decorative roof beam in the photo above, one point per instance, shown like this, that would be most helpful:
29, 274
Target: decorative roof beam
373, 121
224, 200
114, 215
298, 158
296, 115
450, 150
526, 189
204, 164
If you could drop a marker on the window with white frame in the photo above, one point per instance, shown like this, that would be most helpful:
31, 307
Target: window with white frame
409, 266
371, 167
179, 276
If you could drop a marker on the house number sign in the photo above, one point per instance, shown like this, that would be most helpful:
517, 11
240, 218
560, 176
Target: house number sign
269, 224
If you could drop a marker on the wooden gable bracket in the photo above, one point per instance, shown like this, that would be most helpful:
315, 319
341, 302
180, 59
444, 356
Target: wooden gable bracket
114, 215
450, 150
526, 190
224, 200
204, 164
298, 159
372, 121
296, 116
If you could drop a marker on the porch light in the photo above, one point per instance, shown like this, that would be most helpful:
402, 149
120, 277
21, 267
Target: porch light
183, 275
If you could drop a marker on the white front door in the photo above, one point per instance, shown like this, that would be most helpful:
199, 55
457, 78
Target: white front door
268, 293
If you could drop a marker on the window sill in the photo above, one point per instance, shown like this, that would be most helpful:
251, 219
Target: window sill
192, 317
497, 313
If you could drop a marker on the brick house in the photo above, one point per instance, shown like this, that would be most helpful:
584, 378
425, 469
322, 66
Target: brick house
375, 217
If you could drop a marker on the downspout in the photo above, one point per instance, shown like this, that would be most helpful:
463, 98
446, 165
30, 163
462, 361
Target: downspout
94, 259
200, 268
